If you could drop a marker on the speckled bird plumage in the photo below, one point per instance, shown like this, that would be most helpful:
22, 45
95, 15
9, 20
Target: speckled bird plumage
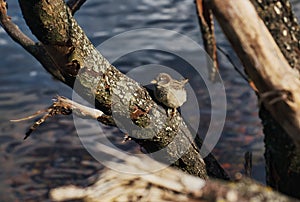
169, 91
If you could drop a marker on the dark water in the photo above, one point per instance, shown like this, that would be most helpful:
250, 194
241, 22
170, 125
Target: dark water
53, 155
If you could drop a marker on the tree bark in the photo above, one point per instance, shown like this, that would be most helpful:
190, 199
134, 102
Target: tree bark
282, 157
274, 68
263, 61
96, 79
207, 29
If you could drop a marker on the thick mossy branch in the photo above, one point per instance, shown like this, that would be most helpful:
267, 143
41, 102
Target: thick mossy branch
95, 79
283, 25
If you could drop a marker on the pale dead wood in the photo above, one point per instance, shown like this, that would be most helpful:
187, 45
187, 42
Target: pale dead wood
263, 61
112, 185
165, 184
65, 106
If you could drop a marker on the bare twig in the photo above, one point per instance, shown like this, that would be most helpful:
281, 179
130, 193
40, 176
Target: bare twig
13, 31
248, 164
233, 64
75, 5
64, 106
36, 50
30, 116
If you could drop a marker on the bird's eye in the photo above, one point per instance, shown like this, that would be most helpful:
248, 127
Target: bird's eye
164, 78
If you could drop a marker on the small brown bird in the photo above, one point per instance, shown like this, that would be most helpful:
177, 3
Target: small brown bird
169, 91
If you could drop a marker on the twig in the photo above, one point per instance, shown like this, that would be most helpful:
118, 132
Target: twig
30, 116
75, 5
35, 49
64, 106
13, 31
233, 64
248, 164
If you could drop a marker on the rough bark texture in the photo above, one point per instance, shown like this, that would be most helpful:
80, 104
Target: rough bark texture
263, 61
53, 24
283, 25
282, 157
276, 78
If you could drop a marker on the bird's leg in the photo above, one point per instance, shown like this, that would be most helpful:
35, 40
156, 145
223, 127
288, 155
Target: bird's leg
171, 112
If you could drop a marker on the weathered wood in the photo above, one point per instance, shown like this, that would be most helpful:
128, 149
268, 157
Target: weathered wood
53, 24
263, 61
164, 185
281, 156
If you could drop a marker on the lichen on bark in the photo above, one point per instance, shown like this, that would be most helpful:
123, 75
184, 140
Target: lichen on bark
95, 79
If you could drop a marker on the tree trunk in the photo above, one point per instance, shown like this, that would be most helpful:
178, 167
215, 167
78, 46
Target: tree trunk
275, 72
282, 157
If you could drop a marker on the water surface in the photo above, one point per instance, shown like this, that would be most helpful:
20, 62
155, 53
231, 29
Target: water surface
53, 155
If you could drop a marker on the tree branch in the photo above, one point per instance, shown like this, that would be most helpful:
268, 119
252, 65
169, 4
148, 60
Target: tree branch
207, 29
263, 61
75, 5
36, 50
97, 80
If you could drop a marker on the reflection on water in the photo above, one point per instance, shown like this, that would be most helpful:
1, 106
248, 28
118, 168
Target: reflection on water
53, 155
